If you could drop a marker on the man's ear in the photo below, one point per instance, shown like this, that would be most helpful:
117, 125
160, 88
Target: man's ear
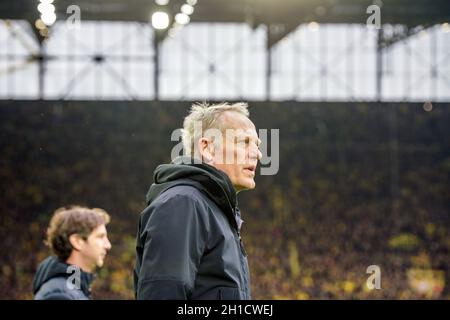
206, 149
76, 241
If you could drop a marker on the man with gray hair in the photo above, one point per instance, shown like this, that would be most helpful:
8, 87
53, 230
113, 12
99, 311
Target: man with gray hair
188, 241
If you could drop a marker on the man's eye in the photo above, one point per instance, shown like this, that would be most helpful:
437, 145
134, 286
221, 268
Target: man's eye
243, 141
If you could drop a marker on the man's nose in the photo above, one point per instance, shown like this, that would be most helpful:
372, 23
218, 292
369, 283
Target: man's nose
255, 153
259, 155
108, 244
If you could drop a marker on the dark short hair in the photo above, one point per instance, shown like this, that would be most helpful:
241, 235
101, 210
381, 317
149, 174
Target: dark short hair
71, 220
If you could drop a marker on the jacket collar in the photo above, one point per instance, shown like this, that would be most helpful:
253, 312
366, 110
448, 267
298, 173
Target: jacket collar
190, 171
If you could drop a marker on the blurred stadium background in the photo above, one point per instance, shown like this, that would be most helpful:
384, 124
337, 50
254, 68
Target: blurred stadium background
87, 108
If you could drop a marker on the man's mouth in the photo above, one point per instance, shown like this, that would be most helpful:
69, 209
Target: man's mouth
251, 169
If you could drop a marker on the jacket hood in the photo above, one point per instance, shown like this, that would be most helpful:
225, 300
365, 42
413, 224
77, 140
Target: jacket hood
189, 171
52, 267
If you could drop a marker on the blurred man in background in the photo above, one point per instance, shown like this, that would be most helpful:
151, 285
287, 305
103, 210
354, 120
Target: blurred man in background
78, 238
188, 242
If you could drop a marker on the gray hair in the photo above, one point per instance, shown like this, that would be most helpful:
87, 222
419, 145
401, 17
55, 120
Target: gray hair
209, 116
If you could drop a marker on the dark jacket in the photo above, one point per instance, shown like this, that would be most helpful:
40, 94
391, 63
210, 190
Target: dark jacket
188, 241
50, 282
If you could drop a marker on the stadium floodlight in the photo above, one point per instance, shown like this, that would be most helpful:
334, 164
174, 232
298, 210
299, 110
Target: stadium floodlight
423, 34
182, 18
160, 20
39, 24
161, 2
44, 32
48, 18
45, 8
445, 27
191, 2
187, 9
313, 26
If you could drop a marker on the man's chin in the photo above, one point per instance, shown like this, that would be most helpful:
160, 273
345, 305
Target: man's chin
251, 184
248, 186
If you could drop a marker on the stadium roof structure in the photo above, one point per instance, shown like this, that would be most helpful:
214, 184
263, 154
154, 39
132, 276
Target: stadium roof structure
286, 14
281, 18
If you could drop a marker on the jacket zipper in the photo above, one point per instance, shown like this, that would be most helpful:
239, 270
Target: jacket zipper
245, 274
242, 245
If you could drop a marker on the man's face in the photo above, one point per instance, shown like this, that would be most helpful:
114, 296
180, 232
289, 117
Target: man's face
96, 247
238, 154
